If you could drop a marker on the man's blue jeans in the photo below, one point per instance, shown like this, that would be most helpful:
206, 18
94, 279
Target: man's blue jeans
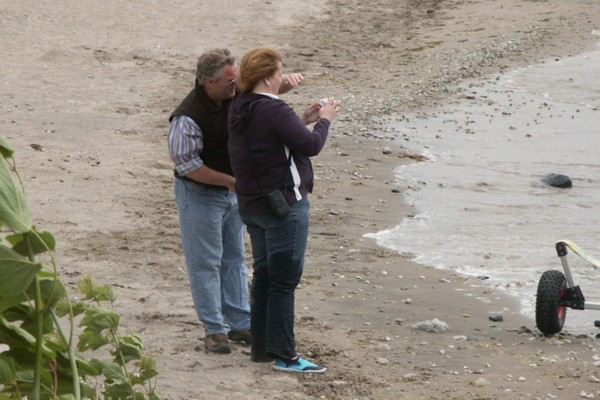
212, 233
278, 248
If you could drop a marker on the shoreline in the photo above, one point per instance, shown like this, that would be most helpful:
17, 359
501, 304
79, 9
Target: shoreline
478, 103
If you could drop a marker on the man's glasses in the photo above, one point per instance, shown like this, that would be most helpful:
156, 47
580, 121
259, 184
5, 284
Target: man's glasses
231, 81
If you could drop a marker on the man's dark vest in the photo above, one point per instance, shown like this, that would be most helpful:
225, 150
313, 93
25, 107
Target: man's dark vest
212, 121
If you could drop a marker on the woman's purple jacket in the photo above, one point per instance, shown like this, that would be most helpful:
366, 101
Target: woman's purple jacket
261, 130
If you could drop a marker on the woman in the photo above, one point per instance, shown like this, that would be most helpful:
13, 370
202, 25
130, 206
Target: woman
269, 148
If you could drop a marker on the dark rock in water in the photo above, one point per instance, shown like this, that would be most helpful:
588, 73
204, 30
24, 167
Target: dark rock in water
558, 180
496, 318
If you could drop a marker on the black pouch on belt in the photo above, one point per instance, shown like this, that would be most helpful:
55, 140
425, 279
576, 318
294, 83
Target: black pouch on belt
278, 204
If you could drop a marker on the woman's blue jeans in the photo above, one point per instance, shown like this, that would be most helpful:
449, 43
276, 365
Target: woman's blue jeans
212, 233
278, 247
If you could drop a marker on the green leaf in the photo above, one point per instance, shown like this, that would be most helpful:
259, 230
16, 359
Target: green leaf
62, 307
40, 243
134, 340
25, 380
7, 369
130, 348
12, 329
148, 369
17, 272
20, 312
51, 287
121, 391
91, 291
14, 211
29, 323
25, 376
135, 379
87, 390
55, 341
86, 367
91, 340
25, 356
63, 385
111, 370
98, 319
5, 149
16, 337
7, 302
139, 396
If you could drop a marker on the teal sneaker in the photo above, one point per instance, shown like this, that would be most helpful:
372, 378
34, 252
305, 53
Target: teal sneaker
299, 365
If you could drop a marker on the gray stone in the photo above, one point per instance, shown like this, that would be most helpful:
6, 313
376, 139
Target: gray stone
383, 361
496, 317
432, 326
410, 377
558, 180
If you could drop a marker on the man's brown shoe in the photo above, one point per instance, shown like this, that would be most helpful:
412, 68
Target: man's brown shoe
243, 336
217, 343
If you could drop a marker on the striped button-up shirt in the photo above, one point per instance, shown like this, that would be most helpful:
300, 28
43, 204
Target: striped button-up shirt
185, 145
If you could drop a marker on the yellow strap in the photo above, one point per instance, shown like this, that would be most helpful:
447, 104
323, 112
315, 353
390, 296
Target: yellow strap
577, 250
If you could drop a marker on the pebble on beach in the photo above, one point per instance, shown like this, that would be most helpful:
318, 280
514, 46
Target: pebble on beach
431, 326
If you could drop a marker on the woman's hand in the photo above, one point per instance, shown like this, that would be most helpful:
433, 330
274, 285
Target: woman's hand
311, 114
329, 109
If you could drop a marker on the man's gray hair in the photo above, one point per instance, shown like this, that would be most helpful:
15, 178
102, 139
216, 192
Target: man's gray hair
211, 64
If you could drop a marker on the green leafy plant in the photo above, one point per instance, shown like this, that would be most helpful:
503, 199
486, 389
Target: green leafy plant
38, 358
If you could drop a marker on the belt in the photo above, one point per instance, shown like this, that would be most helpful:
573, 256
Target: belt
207, 185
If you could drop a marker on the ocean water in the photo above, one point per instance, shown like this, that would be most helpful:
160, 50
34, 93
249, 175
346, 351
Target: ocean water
482, 208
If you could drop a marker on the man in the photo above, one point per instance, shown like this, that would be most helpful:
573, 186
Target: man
212, 231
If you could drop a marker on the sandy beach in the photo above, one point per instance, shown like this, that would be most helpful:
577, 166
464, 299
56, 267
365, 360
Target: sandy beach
88, 88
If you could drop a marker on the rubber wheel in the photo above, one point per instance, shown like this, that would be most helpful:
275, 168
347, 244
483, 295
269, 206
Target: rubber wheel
549, 314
